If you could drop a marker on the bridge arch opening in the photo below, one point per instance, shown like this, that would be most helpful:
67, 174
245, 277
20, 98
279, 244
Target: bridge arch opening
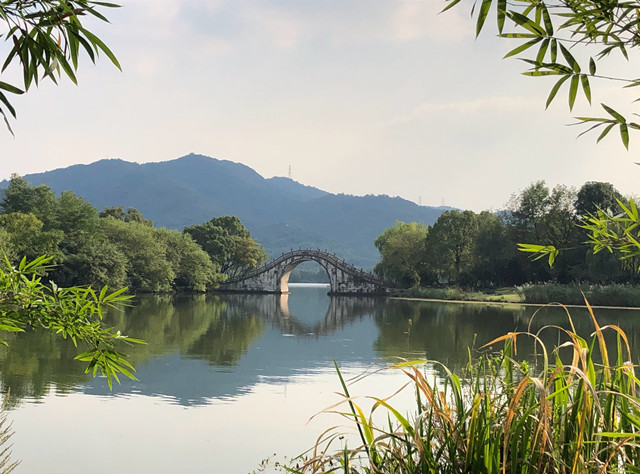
303, 271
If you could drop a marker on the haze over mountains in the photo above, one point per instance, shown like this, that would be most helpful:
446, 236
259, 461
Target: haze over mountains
280, 213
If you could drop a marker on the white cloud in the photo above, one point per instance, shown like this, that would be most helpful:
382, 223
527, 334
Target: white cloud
281, 27
211, 47
485, 106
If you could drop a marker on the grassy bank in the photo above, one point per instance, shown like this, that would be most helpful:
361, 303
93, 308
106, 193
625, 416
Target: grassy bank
502, 295
562, 411
597, 295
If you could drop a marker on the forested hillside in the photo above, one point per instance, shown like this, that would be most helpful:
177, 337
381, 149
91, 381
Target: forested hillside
280, 213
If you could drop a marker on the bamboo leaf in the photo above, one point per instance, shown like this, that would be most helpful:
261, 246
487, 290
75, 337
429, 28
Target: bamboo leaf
569, 58
548, 24
10, 88
604, 133
542, 51
482, 15
613, 113
624, 134
573, 90
8, 105
502, 8
526, 23
99, 44
555, 89
522, 47
450, 5
586, 88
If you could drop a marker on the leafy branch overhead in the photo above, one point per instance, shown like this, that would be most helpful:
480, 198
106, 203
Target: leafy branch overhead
619, 233
47, 39
75, 313
568, 39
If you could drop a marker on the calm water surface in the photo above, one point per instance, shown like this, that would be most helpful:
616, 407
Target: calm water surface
226, 381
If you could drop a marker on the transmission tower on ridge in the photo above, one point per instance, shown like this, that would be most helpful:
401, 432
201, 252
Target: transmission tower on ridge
289, 171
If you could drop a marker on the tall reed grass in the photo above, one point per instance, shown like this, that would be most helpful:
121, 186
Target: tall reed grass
573, 408
598, 295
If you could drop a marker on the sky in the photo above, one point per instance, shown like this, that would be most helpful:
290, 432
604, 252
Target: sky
354, 96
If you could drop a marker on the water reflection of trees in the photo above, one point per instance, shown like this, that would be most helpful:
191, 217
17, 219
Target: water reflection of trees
197, 326
445, 332
220, 330
216, 329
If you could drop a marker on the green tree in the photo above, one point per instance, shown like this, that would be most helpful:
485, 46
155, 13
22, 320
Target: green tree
559, 221
229, 245
191, 265
27, 239
492, 251
402, 253
131, 215
542, 218
47, 38
450, 244
147, 267
594, 195
568, 40
526, 210
97, 263
21, 197
78, 220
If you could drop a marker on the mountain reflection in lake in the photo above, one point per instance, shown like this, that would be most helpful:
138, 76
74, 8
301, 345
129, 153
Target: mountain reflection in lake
226, 380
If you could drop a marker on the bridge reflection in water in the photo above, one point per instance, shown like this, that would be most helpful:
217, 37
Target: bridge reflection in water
340, 312
273, 277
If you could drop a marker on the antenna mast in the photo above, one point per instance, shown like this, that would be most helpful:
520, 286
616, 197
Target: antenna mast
289, 171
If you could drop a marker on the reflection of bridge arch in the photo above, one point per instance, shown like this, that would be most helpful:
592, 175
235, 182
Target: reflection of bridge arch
340, 311
343, 277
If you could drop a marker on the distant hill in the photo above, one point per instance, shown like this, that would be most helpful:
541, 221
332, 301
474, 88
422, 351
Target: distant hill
280, 213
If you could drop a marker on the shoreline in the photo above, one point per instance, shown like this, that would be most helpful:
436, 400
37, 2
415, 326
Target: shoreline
502, 303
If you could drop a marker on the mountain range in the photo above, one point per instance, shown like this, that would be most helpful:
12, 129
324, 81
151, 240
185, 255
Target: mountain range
280, 213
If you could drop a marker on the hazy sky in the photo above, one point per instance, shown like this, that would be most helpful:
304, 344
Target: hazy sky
358, 97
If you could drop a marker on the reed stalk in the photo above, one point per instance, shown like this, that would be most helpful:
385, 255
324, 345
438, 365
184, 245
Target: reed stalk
572, 409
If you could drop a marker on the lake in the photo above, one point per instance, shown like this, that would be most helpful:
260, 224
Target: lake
228, 380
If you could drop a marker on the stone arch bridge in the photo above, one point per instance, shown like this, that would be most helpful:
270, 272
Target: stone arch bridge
273, 277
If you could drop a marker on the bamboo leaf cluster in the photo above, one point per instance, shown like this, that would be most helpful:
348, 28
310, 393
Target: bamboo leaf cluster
618, 233
567, 40
46, 40
75, 313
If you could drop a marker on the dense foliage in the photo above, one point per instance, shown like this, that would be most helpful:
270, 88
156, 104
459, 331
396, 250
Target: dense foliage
481, 250
117, 247
229, 244
402, 250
